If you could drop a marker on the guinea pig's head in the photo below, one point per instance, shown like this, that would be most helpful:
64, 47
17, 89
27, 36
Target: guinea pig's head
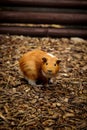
50, 66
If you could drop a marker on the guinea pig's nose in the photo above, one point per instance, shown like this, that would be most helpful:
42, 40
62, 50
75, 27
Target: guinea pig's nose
49, 71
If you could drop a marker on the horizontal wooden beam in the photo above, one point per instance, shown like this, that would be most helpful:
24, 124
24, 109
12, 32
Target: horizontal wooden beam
46, 3
43, 18
43, 32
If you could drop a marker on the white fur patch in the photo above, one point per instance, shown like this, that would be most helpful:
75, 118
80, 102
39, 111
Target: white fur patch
30, 81
33, 83
50, 55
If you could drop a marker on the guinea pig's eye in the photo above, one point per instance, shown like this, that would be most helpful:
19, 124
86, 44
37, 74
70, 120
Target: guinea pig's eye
46, 63
54, 64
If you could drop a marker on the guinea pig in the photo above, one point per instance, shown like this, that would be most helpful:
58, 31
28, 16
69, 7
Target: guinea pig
38, 67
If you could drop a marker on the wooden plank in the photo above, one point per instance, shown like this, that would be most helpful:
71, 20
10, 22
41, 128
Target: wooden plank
44, 32
68, 32
46, 3
43, 18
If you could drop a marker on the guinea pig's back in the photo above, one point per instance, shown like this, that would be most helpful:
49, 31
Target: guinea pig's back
31, 61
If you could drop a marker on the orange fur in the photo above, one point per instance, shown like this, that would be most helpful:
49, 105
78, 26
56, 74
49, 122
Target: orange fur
39, 66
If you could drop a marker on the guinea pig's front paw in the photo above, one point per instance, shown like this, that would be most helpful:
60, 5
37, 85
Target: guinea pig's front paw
50, 81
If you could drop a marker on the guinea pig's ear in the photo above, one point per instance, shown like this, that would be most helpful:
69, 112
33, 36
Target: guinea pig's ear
44, 60
58, 61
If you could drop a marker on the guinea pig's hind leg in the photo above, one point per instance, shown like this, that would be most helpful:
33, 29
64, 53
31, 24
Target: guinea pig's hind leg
31, 81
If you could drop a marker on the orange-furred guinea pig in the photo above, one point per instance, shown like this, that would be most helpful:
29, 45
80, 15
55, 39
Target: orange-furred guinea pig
38, 66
